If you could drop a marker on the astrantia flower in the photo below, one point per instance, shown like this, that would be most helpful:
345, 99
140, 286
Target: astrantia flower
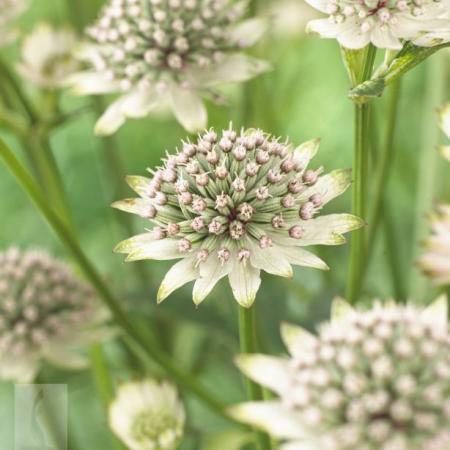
435, 262
384, 23
444, 121
146, 415
233, 205
47, 56
370, 380
45, 313
167, 51
9, 10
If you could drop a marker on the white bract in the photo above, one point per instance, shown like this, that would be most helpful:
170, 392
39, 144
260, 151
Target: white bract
45, 313
233, 205
47, 56
438, 34
147, 415
166, 52
444, 122
384, 23
374, 380
435, 262
9, 11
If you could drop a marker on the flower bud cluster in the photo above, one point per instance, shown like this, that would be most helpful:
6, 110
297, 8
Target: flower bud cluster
141, 40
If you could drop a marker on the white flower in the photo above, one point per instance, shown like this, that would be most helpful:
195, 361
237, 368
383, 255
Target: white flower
384, 23
169, 52
47, 56
45, 313
146, 415
233, 205
435, 262
9, 11
378, 379
444, 122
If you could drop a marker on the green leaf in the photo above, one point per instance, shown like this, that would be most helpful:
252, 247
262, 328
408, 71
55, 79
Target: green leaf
229, 440
406, 59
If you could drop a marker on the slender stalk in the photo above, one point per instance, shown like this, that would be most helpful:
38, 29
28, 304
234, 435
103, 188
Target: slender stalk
185, 380
359, 192
247, 337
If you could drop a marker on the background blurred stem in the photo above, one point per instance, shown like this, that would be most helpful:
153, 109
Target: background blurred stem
248, 344
185, 380
359, 192
428, 160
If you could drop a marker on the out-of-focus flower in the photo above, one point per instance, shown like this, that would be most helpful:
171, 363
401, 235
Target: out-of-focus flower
147, 415
385, 24
435, 262
45, 313
9, 10
444, 122
370, 380
169, 52
47, 56
233, 205
290, 17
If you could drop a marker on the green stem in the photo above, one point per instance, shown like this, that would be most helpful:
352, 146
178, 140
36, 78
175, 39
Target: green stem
247, 336
185, 380
359, 192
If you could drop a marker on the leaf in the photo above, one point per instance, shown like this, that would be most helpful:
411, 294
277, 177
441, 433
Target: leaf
229, 440
406, 59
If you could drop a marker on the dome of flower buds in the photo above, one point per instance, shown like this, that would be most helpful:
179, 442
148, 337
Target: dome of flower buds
233, 204
147, 415
44, 313
167, 51
9, 10
378, 379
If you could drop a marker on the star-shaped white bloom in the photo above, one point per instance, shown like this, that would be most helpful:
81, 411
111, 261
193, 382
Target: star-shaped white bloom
384, 23
167, 53
234, 205
47, 56
9, 11
378, 379
147, 415
46, 313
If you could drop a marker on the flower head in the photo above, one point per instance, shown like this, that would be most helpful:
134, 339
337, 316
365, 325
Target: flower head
378, 379
167, 51
9, 11
435, 262
147, 415
47, 56
233, 204
46, 313
384, 23
444, 122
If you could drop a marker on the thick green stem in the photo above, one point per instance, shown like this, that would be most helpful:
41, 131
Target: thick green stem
247, 337
359, 192
185, 380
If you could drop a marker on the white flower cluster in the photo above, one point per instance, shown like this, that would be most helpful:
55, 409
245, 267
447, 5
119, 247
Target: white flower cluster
47, 56
167, 51
370, 380
232, 205
45, 313
9, 10
147, 415
384, 23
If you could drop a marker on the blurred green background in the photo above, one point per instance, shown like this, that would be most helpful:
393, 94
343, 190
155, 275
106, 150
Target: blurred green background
303, 97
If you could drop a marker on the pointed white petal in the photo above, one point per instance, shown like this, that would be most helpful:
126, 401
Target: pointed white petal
382, 37
135, 243
437, 313
179, 274
341, 310
321, 5
188, 108
111, 120
140, 103
306, 151
248, 32
90, 83
272, 417
270, 260
163, 249
211, 272
140, 206
139, 184
244, 281
269, 371
300, 257
297, 338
